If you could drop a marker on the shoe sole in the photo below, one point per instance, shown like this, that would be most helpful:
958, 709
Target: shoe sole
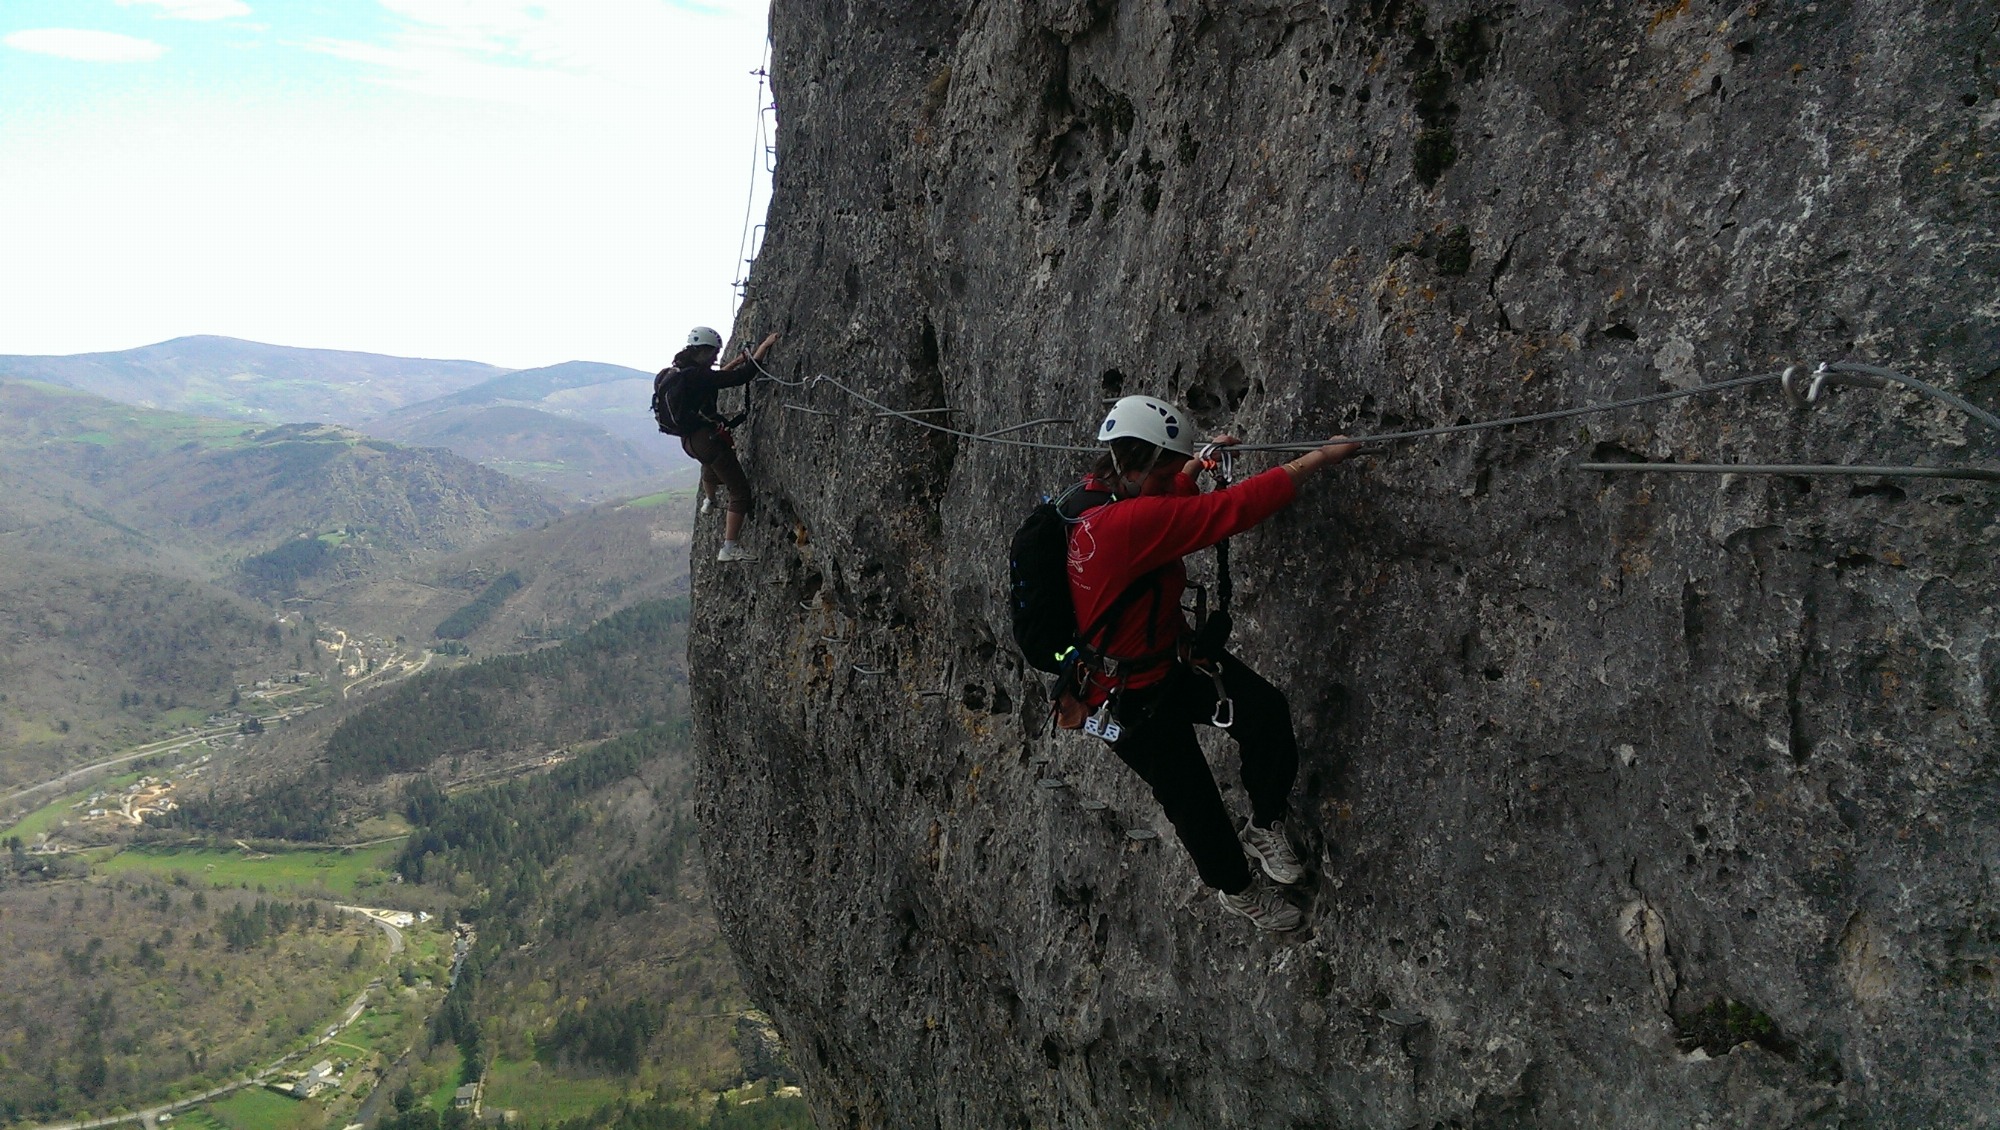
1251, 850
1265, 927
1261, 926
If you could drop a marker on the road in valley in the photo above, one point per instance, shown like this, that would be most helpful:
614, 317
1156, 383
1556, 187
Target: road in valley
164, 745
150, 1115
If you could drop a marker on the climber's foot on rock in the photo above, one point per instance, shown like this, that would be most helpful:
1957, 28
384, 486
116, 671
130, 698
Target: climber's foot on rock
1263, 905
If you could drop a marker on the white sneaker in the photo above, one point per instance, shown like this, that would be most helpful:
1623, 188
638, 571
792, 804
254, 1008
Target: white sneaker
1263, 905
732, 552
707, 504
1270, 848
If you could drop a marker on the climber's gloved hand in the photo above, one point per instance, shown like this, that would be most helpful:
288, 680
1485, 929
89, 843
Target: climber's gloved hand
1204, 459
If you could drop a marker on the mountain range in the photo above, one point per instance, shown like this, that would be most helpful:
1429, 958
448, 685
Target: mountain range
130, 538
579, 428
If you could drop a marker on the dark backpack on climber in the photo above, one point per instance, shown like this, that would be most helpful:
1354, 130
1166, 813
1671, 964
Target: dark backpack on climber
1043, 613
667, 404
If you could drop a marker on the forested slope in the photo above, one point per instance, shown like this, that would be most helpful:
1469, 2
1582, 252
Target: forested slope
623, 672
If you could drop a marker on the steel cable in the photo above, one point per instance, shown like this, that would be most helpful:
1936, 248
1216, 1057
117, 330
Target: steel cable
998, 436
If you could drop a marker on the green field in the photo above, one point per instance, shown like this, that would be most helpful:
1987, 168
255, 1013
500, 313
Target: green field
542, 1095
258, 1108
440, 1099
389, 1026
197, 1119
645, 502
105, 423
46, 818
340, 871
528, 466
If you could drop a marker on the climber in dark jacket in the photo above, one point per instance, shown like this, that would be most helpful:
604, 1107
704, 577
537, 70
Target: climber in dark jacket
704, 435
1156, 691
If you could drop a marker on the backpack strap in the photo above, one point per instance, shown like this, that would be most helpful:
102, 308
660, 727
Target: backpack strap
1090, 653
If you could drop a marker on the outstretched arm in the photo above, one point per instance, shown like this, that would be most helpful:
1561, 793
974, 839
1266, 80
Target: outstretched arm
757, 354
1336, 450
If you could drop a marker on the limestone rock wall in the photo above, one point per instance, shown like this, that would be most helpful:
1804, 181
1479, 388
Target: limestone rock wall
1602, 775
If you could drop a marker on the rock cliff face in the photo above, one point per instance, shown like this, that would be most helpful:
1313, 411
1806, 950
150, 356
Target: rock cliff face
1630, 800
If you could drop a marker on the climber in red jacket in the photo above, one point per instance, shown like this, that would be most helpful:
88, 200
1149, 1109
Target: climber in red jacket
1139, 671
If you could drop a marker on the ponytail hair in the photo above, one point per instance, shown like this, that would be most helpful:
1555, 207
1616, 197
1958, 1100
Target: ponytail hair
1128, 455
685, 359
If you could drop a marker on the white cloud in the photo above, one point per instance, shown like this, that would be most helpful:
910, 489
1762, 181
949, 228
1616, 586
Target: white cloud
537, 53
194, 9
88, 46
519, 186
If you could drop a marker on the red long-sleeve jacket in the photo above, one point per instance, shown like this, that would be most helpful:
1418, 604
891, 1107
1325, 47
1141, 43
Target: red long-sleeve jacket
1115, 544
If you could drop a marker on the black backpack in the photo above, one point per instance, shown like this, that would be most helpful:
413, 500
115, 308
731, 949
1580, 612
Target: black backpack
667, 406
1038, 577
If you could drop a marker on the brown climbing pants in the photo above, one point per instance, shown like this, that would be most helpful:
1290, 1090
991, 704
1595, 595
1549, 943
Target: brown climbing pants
719, 468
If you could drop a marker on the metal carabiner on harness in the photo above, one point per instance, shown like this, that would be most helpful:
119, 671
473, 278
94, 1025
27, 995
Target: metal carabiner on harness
1225, 707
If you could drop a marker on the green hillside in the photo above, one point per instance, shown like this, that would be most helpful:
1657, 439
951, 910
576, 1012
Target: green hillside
599, 973
80, 472
622, 673
225, 377
573, 571
581, 428
97, 658
115, 990
599, 986
130, 538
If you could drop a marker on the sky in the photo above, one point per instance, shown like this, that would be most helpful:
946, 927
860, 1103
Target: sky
520, 183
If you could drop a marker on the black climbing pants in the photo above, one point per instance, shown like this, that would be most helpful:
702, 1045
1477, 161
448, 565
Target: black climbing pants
1159, 744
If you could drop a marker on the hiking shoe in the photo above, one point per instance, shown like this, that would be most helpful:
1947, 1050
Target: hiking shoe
1261, 903
732, 552
707, 504
1270, 848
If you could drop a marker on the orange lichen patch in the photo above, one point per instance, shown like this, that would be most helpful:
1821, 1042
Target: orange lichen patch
1666, 14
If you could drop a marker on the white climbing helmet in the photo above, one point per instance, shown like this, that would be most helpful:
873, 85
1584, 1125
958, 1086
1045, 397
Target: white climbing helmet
1143, 417
702, 335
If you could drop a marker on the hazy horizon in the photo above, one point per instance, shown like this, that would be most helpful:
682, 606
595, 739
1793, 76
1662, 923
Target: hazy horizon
507, 182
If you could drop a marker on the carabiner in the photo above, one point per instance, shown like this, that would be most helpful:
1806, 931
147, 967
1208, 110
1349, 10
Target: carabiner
1225, 707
